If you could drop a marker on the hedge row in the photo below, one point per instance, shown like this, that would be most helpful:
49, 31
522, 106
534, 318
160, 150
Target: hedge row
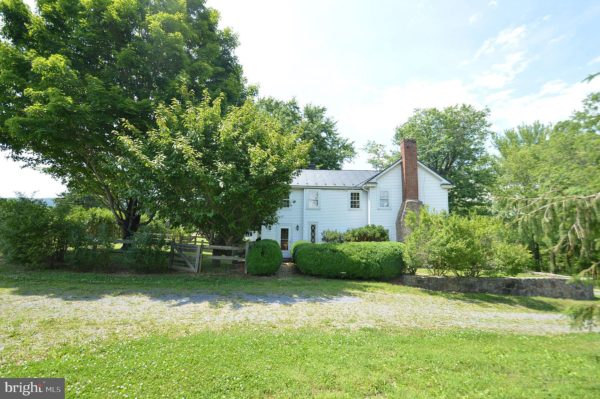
33, 233
357, 260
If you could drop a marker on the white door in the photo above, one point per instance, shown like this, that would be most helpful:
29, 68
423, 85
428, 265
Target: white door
285, 235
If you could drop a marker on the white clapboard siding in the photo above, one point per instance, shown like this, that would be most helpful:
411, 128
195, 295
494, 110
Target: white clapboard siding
334, 211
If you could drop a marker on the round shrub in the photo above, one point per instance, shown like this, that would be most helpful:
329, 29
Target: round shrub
296, 246
264, 258
358, 260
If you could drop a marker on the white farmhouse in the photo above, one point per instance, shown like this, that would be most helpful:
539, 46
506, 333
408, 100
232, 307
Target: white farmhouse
344, 199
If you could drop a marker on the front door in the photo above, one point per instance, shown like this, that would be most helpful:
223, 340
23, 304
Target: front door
284, 241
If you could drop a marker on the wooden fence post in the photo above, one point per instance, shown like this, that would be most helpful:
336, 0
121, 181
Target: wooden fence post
172, 254
246, 248
199, 258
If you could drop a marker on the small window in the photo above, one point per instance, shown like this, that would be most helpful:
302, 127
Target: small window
384, 199
313, 199
354, 200
313, 233
286, 203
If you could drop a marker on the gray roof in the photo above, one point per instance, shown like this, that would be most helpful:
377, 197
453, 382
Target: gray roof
332, 178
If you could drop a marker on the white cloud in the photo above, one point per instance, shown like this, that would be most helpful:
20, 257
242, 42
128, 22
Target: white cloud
16, 179
594, 61
502, 74
511, 37
493, 3
554, 101
377, 118
503, 95
506, 39
557, 39
474, 18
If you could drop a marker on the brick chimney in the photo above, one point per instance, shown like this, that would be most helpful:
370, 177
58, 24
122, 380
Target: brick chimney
410, 180
410, 186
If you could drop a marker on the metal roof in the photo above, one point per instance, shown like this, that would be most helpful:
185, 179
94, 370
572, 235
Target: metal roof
332, 178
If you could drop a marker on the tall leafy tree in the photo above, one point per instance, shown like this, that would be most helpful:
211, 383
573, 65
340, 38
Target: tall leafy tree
378, 155
549, 185
329, 149
452, 142
224, 175
73, 71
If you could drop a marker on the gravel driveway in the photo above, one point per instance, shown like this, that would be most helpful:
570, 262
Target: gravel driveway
33, 324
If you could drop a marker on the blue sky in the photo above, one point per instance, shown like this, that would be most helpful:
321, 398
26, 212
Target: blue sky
372, 63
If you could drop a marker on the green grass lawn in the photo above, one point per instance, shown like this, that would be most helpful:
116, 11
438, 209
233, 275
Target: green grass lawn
174, 353
308, 363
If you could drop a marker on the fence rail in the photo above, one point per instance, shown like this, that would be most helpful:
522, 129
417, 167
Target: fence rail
188, 257
186, 253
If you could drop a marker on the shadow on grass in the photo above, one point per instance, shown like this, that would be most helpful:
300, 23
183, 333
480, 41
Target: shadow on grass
227, 285
217, 286
534, 303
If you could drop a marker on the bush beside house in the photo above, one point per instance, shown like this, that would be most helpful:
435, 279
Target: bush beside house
366, 233
470, 246
264, 258
332, 236
296, 246
369, 232
358, 260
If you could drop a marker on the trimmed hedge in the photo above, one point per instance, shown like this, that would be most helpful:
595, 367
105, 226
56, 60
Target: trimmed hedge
296, 245
264, 258
358, 260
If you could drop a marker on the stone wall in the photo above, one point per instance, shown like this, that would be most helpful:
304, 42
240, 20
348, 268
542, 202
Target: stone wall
547, 287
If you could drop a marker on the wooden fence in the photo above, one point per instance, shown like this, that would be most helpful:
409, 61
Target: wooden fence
188, 257
186, 252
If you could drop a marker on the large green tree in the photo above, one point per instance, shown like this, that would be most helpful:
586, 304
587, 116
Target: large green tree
452, 142
549, 185
224, 175
74, 70
329, 150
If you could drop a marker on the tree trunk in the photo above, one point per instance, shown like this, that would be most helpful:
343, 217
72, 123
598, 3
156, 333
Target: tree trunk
131, 222
221, 240
534, 247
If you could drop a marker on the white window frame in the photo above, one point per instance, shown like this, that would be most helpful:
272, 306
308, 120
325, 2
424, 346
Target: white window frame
309, 200
350, 201
287, 200
388, 199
